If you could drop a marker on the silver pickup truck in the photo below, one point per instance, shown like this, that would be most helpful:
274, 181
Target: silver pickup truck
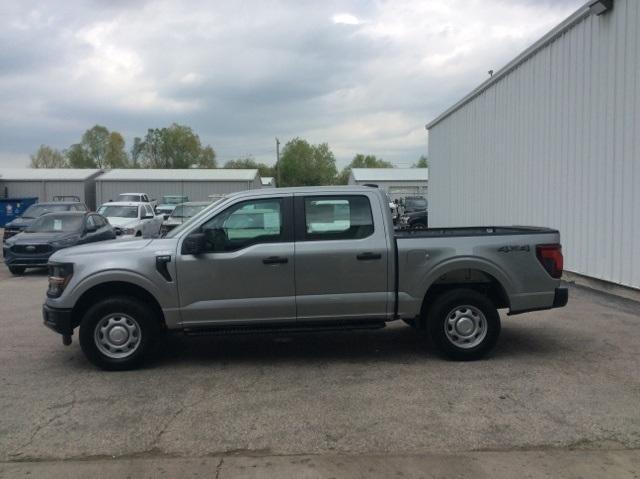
300, 259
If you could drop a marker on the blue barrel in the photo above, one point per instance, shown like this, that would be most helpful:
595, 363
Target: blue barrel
11, 208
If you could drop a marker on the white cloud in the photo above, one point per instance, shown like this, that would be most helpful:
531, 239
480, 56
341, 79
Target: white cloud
241, 74
346, 19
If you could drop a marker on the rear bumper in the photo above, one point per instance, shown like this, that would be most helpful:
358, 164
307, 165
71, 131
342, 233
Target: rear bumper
58, 320
560, 299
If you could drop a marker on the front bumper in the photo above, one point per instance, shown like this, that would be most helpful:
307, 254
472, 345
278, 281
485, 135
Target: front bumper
28, 261
58, 320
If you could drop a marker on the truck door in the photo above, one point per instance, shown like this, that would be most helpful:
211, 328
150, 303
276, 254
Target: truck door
341, 259
246, 272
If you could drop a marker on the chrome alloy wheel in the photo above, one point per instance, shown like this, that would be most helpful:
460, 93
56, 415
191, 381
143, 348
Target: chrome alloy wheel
117, 336
465, 326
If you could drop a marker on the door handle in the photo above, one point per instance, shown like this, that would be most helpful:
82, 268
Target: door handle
368, 256
275, 260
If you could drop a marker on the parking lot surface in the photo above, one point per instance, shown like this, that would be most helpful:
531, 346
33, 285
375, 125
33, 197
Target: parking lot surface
567, 378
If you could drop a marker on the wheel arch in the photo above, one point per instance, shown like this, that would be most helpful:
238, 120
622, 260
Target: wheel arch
475, 278
115, 288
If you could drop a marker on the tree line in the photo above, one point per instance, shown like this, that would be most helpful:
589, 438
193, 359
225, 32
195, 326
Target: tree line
177, 146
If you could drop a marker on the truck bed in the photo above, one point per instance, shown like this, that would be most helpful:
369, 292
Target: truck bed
472, 231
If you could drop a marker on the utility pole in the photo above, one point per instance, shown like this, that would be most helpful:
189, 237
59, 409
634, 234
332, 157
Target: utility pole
277, 162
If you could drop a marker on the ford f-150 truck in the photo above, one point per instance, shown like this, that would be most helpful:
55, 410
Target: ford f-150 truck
299, 259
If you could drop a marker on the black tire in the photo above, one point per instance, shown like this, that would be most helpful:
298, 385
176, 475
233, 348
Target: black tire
443, 335
17, 270
132, 310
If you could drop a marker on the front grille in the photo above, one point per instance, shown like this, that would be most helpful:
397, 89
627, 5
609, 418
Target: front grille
31, 248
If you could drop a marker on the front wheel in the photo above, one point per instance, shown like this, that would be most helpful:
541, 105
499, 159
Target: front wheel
117, 333
17, 270
463, 324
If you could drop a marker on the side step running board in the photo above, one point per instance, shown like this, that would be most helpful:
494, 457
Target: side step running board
285, 328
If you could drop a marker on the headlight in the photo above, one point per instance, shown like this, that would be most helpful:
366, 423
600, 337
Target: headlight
64, 242
129, 231
59, 276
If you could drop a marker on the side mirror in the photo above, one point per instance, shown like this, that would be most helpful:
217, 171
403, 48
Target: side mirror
147, 217
91, 229
195, 244
165, 217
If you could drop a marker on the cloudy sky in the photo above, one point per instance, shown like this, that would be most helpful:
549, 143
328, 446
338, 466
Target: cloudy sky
364, 76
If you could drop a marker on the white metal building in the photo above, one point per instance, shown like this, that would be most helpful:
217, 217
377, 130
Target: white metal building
197, 184
397, 182
47, 183
553, 139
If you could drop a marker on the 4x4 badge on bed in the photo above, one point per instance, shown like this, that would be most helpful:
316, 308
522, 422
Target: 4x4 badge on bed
508, 249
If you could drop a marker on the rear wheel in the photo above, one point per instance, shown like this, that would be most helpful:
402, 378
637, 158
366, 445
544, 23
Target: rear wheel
118, 333
463, 324
17, 270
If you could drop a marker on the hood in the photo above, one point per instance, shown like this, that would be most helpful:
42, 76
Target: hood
20, 223
40, 238
123, 222
90, 250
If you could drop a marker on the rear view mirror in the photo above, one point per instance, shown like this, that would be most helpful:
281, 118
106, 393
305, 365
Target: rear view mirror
195, 244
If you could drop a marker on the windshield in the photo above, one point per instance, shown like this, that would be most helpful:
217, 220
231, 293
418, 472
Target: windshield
115, 211
34, 211
415, 204
129, 198
190, 221
187, 211
173, 200
52, 223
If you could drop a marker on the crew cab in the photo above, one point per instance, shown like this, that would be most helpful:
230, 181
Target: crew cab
131, 219
301, 259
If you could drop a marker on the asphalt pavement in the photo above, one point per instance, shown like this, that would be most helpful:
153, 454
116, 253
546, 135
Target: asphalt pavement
562, 384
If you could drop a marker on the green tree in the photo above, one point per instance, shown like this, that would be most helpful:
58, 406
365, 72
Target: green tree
174, 147
421, 163
47, 157
251, 164
303, 164
98, 148
78, 157
116, 156
361, 161
136, 151
95, 143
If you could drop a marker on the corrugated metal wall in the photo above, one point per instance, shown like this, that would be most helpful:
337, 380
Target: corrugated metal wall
46, 190
554, 143
195, 190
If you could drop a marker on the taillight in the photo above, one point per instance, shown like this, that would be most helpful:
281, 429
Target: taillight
550, 257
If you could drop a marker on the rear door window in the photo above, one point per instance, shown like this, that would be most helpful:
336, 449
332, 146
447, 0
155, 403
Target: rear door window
337, 217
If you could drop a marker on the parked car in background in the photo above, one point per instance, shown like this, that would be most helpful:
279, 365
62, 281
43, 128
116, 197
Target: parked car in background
182, 213
131, 219
52, 232
415, 214
168, 203
137, 198
415, 220
35, 211
313, 258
